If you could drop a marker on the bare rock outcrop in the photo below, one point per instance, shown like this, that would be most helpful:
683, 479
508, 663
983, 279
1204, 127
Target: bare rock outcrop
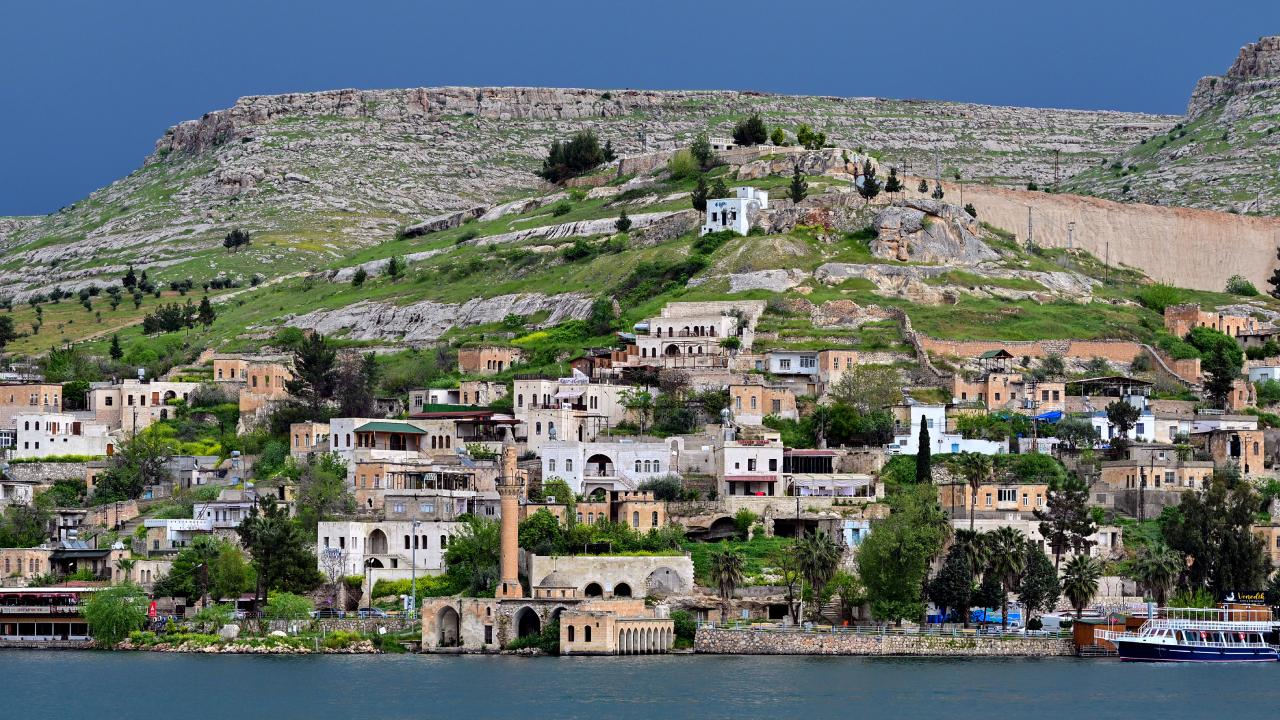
922, 230
447, 221
1256, 67
424, 322
827, 161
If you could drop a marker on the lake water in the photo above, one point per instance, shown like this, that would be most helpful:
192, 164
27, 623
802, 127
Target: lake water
72, 685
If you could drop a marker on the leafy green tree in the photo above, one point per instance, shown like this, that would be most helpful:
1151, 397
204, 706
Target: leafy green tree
116, 352
639, 401
280, 551
395, 267
357, 279
727, 574
893, 184
234, 240
971, 210
819, 558
870, 186
207, 568
471, 560
682, 164
751, 131
924, 470
1080, 581
7, 333
287, 606
114, 612
778, 137
1221, 360
719, 189
137, 463
953, 587
848, 587
1212, 529
1238, 285
23, 526
972, 546
1274, 280
322, 491
313, 366
1066, 522
1007, 562
868, 388
799, 186
809, 139
580, 154
702, 152
540, 533
894, 559
130, 280
1122, 416
699, 194
1037, 588
212, 617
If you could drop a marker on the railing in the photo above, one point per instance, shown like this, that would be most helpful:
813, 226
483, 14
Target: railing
887, 630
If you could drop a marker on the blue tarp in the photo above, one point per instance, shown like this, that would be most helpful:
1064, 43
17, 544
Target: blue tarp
1051, 416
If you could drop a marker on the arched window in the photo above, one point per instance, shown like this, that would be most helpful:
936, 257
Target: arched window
444, 541
570, 633
591, 518
568, 466
406, 542
655, 518
520, 400
586, 633
26, 425
415, 542
637, 466
537, 428
433, 442
579, 517
635, 519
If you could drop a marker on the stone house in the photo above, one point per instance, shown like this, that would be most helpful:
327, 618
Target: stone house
28, 398
132, 405
487, 359
752, 403
1180, 319
618, 465
639, 510
308, 437
1244, 448
46, 434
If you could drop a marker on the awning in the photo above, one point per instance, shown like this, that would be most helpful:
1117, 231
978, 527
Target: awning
569, 394
1051, 416
392, 427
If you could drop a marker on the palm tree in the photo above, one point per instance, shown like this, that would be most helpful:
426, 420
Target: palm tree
1080, 581
972, 546
125, 565
819, 558
1157, 568
976, 469
1007, 562
726, 573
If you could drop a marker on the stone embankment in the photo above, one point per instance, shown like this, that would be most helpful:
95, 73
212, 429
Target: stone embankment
364, 647
724, 641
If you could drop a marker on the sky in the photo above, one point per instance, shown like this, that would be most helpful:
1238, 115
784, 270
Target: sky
87, 86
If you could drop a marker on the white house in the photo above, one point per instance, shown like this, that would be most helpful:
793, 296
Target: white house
735, 213
1144, 430
45, 434
750, 465
620, 465
391, 548
935, 418
1263, 373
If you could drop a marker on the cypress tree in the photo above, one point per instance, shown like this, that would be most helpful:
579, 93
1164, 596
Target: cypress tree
699, 195
116, 351
799, 188
924, 471
893, 184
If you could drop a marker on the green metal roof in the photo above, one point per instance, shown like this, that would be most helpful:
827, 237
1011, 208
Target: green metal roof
994, 354
391, 427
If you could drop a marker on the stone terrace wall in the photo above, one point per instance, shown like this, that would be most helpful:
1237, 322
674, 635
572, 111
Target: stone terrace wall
765, 642
1112, 350
45, 473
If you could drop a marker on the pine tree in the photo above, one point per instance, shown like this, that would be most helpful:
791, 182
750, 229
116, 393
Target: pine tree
923, 186
799, 187
117, 353
893, 184
130, 279
1066, 521
937, 191
699, 196
205, 314
623, 223
395, 267
778, 137
701, 151
751, 131
609, 154
359, 277
870, 186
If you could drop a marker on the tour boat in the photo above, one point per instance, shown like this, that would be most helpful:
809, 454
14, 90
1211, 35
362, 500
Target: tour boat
1198, 635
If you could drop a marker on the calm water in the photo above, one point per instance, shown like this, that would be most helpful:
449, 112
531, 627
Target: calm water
68, 685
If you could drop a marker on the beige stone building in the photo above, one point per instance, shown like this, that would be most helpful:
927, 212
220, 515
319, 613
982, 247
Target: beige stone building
487, 360
750, 404
1180, 319
27, 399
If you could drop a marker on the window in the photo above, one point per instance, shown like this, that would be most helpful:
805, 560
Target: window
655, 518
751, 464
1039, 501
635, 519
444, 541
568, 466
776, 406
737, 403
773, 464
426, 507
586, 634
753, 402
997, 396
551, 465
406, 542
637, 466
537, 428
399, 507
988, 496
808, 362
1025, 501
571, 638
1008, 495
784, 364
1140, 428
108, 400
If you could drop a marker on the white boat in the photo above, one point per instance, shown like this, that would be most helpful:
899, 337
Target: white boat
1198, 635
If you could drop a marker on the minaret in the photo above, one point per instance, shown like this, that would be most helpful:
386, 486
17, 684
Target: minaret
509, 487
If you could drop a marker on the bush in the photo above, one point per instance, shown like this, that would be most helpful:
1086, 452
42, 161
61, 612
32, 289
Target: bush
1159, 296
683, 165
685, 626
1237, 285
751, 131
580, 154
561, 208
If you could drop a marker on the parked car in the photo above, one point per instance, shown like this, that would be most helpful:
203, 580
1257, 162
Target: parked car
371, 612
323, 613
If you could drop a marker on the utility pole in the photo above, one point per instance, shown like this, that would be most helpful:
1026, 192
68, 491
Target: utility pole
413, 572
1071, 234
1106, 277
1031, 236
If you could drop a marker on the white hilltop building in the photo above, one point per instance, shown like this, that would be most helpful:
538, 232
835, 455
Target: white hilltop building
735, 213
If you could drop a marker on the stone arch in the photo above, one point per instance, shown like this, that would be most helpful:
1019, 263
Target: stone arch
170, 395
527, 622
593, 589
373, 563
663, 581
601, 465
377, 542
622, 590
448, 627
671, 349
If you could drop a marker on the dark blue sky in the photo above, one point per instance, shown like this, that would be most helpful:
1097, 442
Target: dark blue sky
89, 85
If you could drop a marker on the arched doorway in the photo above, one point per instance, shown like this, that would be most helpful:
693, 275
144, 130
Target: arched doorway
527, 622
373, 563
662, 581
622, 590
448, 627
599, 465
593, 590
377, 543
672, 349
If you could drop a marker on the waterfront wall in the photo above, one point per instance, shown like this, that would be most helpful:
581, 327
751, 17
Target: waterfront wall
724, 641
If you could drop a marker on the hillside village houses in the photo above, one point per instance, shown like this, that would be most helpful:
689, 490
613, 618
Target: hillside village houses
735, 213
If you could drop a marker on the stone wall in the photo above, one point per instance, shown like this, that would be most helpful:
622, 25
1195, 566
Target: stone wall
1189, 248
644, 575
1112, 350
766, 642
44, 473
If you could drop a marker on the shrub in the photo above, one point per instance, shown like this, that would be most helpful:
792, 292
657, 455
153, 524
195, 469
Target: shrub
1158, 296
751, 131
561, 208
359, 277
571, 158
1237, 285
683, 165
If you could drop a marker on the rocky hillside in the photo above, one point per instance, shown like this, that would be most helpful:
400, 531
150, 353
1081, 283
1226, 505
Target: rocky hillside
316, 177
1222, 156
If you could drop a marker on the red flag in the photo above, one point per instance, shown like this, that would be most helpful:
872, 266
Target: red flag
151, 611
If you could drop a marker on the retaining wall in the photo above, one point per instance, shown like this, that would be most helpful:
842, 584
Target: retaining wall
766, 642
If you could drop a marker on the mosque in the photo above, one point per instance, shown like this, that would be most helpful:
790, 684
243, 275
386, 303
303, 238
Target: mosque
590, 596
